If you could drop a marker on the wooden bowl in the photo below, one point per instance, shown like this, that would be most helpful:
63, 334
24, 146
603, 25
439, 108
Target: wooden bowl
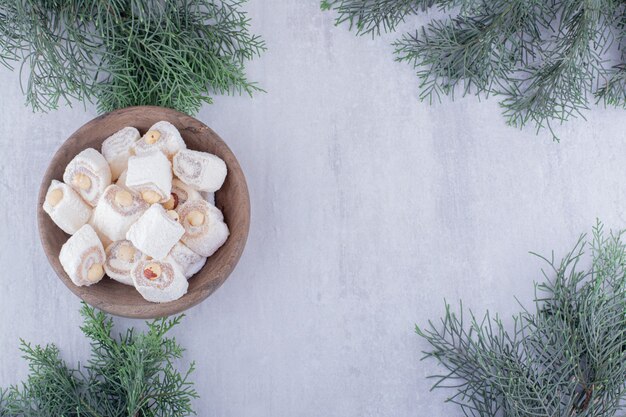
232, 199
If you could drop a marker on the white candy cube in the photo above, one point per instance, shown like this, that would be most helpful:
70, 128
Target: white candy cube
83, 257
201, 170
65, 207
205, 230
116, 211
162, 136
89, 174
117, 148
155, 233
151, 176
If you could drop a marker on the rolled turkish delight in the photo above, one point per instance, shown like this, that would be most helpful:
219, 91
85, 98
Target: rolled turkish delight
117, 148
201, 170
122, 257
159, 281
89, 174
205, 230
162, 136
155, 232
116, 211
188, 261
83, 257
180, 194
151, 176
65, 207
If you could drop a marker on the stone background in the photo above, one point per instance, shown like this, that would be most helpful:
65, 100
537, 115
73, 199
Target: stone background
369, 208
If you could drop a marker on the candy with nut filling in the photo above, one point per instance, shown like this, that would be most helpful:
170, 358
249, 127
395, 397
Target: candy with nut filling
201, 170
89, 174
159, 281
150, 175
118, 147
156, 232
83, 257
180, 194
116, 211
205, 230
122, 257
65, 207
162, 136
188, 261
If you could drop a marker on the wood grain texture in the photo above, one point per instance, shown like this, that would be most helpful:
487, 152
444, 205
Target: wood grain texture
232, 199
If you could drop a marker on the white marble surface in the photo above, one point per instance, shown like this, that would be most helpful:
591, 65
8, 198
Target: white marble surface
368, 209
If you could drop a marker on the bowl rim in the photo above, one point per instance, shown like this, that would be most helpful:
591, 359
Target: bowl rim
149, 310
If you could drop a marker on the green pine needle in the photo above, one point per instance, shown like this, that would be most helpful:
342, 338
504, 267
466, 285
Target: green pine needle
547, 60
567, 358
170, 53
133, 375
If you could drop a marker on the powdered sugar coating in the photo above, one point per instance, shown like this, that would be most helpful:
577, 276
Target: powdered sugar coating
184, 192
118, 147
118, 268
92, 164
71, 212
209, 236
169, 286
169, 142
201, 170
150, 172
148, 230
188, 261
81, 251
155, 233
113, 219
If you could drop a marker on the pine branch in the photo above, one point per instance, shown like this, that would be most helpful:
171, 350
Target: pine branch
547, 59
613, 92
52, 389
478, 52
568, 358
558, 87
120, 53
377, 16
372, 16
130, 376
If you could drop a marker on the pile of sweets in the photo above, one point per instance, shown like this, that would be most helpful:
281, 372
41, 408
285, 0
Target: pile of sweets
149, 201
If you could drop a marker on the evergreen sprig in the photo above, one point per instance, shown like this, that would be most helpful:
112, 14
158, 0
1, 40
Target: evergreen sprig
548, 60
131, 376
171, 53
566, 358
